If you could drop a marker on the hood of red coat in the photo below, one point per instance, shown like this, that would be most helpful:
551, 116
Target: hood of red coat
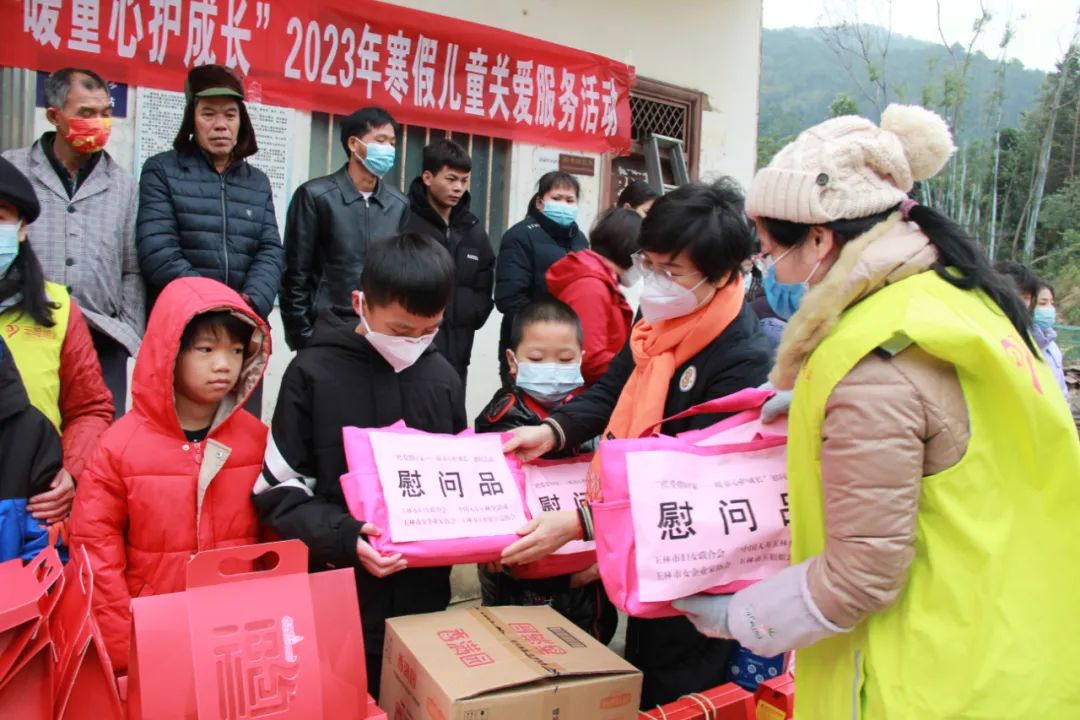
152, 394
576, 265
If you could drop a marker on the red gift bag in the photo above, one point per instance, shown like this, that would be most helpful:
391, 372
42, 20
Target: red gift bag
85, 685
27, 598
239, 643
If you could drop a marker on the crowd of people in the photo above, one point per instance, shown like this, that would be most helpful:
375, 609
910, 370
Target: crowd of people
932, 460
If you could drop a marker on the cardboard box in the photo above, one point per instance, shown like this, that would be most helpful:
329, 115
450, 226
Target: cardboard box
502, 663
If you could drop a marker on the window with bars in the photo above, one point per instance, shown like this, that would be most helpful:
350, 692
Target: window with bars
655, 117
660, 109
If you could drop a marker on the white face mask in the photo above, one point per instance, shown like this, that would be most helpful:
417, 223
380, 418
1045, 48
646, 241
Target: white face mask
400, 352
663, 299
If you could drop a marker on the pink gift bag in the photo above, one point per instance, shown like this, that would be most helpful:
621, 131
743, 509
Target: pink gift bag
553, 485
438, 499
705, 512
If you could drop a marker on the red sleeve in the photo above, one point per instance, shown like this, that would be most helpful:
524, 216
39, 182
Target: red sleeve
589, 297
86, 406
99, 520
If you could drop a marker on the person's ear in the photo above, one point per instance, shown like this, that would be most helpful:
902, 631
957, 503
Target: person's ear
53, 116
824, 242
539, 202
427, 177
358, 303
511, 360
356, 147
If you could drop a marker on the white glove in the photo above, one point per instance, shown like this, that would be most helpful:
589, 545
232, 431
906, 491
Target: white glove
709, 613
778, 614
777, 405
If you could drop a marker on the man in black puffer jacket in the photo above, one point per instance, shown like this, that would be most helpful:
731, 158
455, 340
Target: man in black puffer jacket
203, 210
439, 208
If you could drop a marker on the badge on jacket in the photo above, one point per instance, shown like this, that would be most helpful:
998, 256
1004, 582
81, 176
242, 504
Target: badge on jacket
689, 377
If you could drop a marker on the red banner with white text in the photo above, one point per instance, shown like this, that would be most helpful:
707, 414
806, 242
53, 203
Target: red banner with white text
336, 56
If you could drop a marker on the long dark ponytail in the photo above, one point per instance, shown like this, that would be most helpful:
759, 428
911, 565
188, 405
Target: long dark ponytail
961, 262
26, 277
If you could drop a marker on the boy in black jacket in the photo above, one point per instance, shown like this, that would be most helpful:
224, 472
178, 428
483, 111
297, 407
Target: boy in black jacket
31, 452
545, 368
370, 365
439, 208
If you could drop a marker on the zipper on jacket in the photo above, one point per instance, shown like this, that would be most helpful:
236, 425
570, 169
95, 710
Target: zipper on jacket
367, 226
224, 229
856, 686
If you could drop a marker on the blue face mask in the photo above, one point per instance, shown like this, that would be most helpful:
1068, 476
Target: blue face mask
560, 213
9, 245
549, 383
380, 158
785, 298
1045, 316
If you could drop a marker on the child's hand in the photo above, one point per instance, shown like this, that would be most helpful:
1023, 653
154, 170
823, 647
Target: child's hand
54, 505
376, 564
542, 536
531, 442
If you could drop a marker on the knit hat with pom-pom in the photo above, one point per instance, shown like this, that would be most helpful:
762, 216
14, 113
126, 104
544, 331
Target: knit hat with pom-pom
848, 168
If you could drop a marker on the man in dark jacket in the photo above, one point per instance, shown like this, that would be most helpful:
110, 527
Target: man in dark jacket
332, 220
203, 210
439, 205
30, 448
354, 372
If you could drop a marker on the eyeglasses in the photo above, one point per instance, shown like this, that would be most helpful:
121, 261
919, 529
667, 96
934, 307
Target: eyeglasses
645, 265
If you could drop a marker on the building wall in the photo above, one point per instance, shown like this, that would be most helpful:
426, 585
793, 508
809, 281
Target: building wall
713, 46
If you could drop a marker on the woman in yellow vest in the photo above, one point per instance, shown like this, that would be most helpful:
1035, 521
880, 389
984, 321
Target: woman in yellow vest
933, 470
50, 341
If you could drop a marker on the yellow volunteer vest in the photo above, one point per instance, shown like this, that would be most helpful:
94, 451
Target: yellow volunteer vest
988, 623
36, 350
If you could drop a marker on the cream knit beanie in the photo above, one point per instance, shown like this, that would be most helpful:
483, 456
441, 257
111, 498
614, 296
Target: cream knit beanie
848, 168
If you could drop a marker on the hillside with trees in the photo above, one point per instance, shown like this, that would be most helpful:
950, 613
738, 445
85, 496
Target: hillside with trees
1013, 182
801, 76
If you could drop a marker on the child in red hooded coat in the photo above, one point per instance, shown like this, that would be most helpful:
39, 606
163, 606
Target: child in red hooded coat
173, 477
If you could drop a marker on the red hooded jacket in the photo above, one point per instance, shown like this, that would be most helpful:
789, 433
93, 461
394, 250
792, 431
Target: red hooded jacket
148, 498
583, 281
